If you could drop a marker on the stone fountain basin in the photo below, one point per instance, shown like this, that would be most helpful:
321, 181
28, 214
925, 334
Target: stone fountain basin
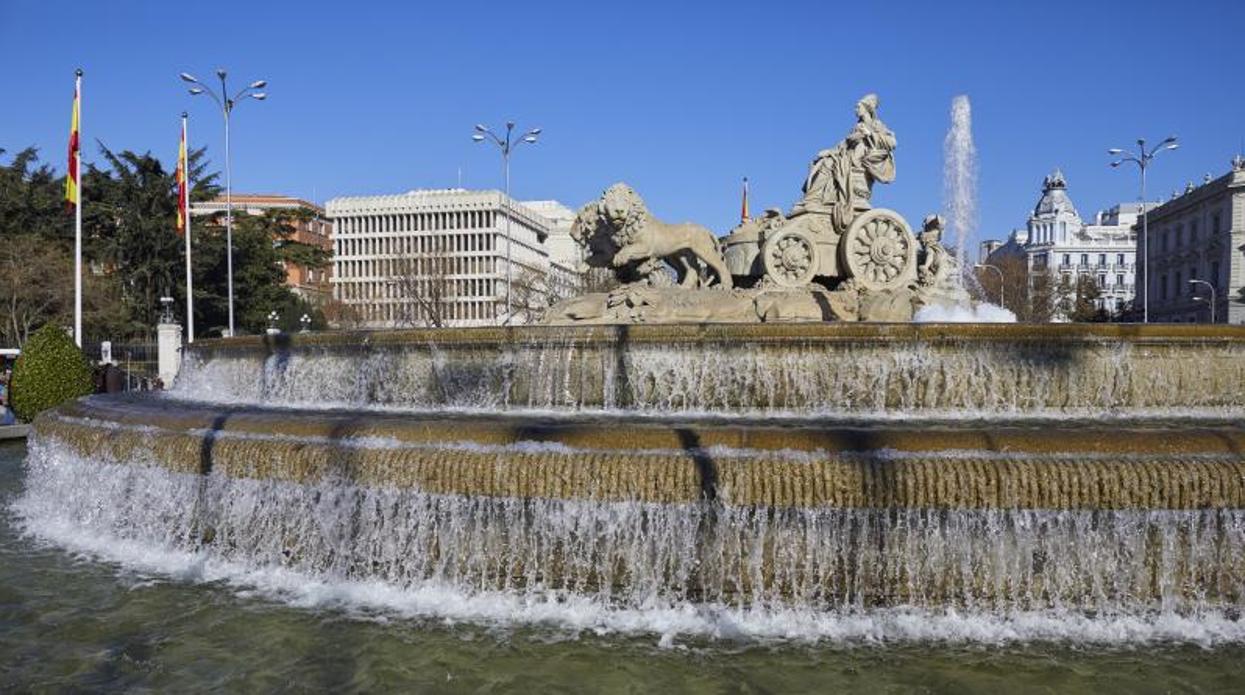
760, 370
768, 462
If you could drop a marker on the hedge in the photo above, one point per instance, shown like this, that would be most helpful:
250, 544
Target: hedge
50, 371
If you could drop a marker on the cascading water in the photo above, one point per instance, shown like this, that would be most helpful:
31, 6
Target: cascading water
805, 530
700, 567
888, 372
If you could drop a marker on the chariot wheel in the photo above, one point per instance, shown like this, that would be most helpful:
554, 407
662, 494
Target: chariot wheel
879, 250
790, 258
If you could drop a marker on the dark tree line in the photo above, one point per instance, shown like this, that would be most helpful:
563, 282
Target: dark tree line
132, 253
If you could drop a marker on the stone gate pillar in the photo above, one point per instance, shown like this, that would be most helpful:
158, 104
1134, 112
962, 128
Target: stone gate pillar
169, 349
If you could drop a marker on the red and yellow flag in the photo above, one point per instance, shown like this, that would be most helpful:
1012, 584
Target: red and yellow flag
743, 212
183, 185
71, 179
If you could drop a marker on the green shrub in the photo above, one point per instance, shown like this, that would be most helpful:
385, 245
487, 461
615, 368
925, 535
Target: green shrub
50, 371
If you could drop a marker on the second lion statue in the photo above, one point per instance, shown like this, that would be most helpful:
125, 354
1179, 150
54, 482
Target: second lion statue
620, 232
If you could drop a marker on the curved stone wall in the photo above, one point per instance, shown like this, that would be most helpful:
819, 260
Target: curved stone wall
790, 466
887, 369
929, 466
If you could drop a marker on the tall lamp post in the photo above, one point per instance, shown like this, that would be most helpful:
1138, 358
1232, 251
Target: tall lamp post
507, 145
226, 104
1195, 283
998, 270
1142, 159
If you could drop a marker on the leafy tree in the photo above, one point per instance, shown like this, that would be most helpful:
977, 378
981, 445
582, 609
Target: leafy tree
31, 200
262, 245
132, 226
1031, 296
35, 287
133, 253
1084, 300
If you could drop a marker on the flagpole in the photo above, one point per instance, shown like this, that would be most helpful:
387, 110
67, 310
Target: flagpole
185, 202
77, 241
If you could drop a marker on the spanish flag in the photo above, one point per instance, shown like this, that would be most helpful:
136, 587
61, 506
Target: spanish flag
183, 186
743, 211
71, 179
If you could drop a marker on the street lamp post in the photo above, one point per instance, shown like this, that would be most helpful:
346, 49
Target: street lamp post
1212, 296
1142, 159
998, 270
507, 145
226, 104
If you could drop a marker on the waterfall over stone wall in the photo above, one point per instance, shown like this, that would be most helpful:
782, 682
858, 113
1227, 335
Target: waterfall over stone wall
1069, 472
804, 369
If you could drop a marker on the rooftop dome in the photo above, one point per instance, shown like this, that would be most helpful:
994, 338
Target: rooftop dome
1055, 200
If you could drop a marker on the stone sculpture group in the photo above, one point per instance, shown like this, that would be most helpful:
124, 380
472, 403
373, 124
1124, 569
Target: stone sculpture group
832, 257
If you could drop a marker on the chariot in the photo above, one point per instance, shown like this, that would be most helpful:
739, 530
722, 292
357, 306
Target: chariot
875, 247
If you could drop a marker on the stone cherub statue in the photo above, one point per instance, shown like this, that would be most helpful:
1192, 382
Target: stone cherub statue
840, 179
620, 233
935, 261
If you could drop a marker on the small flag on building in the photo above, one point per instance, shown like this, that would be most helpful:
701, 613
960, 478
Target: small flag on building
743, 211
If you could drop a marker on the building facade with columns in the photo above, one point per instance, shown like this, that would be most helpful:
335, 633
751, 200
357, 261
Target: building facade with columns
1057, 242
1200, 235
439, 257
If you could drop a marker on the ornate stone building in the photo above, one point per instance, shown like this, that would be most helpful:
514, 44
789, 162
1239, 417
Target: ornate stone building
1200, 235
309, 283
1058, 242
438, 257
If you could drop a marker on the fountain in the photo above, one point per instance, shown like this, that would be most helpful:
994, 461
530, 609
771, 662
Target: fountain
754, 472
960, 176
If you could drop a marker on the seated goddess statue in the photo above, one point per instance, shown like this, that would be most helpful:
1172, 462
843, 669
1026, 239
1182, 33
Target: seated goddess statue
840, 180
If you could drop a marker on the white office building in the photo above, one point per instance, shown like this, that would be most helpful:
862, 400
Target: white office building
400, 258
1057, 241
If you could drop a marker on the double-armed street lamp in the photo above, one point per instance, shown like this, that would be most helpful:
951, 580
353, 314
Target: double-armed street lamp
1195, 283
227, 104
507, 145
995, 268
1142, 159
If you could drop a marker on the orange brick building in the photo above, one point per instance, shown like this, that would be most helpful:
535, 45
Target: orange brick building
311, 284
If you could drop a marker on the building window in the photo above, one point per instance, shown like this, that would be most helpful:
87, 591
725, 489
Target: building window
1176, 289
1119, 259
1214, 273
1067, 259
1163, 286
1214, 224
1102, 259
1119, 280
1193, 232
1179, 235
1085, 260
1102, 280
1166, 238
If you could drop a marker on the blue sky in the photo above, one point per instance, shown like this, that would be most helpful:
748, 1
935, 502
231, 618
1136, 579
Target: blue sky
679, 99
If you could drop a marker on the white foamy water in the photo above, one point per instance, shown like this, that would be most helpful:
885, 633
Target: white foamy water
977, 313
672, 571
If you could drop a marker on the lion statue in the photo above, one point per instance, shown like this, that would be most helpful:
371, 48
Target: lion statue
619, 232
